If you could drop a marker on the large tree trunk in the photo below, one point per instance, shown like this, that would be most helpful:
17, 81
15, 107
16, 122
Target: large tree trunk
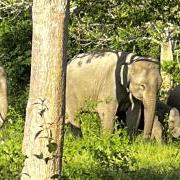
45, 113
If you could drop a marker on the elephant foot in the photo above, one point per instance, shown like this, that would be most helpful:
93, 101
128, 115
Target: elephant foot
76, 131
147, 136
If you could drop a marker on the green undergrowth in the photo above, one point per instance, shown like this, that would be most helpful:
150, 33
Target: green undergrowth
11, 157
95, 156
115, 157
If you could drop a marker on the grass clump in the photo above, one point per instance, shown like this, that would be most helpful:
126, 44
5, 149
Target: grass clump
11, 157
96, 156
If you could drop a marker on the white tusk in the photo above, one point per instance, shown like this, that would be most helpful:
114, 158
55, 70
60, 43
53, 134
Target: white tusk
131, 99
122, 79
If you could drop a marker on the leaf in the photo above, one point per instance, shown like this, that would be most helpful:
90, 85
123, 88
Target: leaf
47, 159
55, 176
26, 174
52, 147
37, 134
50, 134
40, 156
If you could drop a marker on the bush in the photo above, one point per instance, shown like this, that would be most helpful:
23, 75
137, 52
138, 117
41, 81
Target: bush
96, 156
11, 135
172, 68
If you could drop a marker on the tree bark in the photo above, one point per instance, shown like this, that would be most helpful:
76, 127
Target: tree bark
166, 51
166, 55
45, 113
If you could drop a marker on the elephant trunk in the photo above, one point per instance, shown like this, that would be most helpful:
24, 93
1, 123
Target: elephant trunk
149, 113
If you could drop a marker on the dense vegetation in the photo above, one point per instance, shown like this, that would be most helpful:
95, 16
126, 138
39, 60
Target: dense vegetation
136, 26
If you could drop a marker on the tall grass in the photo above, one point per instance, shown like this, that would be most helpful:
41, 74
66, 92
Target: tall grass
95, 156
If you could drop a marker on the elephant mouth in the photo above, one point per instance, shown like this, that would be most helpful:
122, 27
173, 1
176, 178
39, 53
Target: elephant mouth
138, 96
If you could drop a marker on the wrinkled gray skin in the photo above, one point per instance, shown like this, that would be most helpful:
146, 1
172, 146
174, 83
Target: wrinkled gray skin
97, 77
3, 96
174, 122
157, 131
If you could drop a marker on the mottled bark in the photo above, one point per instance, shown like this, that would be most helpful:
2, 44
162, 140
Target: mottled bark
45, 113
166, 55
166, 51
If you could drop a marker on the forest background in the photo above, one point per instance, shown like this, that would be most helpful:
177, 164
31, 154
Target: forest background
139, 26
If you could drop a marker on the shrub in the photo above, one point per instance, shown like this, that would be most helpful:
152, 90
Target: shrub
11, 134
172, 68
96, 156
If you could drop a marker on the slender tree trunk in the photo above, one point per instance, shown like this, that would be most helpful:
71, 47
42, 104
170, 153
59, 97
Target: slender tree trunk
166, 55
45, 113
166, 51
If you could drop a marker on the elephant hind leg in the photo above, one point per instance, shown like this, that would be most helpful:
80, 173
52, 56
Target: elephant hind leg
74, 126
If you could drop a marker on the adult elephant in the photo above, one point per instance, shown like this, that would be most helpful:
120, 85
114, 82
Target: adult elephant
114, 79
3, 96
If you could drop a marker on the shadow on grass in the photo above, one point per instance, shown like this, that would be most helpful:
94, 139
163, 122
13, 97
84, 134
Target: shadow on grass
141, 174
151, 174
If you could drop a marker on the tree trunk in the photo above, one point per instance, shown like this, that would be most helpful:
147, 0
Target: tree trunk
166, 55
166, 51
45, 113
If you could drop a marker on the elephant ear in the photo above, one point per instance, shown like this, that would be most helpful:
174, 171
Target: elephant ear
131, 72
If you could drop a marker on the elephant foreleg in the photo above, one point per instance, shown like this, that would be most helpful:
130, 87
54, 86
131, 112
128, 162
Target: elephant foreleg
107, 113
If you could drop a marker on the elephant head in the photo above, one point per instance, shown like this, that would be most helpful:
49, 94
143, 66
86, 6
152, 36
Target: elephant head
144, 83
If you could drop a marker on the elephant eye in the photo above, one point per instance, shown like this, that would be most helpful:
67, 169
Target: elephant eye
142, 87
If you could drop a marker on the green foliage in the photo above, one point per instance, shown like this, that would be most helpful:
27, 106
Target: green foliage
122, 25
15, 48
11, 134
172, 68
131, 25
96, 155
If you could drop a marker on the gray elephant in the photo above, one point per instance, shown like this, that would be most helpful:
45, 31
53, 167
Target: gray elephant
113, 79
3, 96
174, 122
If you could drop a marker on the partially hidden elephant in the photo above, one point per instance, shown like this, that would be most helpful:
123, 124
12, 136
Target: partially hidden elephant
174, 122
157, 130
3, 96
173, 102
115, 80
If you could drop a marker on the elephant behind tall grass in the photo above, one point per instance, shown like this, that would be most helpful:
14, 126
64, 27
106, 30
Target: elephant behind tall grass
113, 79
